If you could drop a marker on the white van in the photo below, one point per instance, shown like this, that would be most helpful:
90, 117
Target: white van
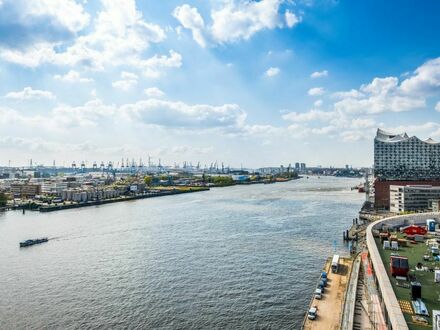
335, 263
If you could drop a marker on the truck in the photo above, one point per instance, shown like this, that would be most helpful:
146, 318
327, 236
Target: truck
335, 263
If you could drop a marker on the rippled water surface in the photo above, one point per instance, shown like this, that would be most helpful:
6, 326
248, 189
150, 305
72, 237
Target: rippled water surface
241, 257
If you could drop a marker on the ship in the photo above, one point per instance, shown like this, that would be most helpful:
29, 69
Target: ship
30, 242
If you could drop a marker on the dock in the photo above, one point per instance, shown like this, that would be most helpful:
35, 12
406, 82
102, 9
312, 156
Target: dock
331, 306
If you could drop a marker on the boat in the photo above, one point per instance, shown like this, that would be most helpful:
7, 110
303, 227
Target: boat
30, 242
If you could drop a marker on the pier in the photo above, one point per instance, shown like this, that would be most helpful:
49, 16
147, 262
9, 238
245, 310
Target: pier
331, 306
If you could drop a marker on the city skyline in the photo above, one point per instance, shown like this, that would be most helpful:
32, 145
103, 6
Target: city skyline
255, 83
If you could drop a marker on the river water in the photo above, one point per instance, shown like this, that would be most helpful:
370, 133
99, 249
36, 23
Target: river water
243, 257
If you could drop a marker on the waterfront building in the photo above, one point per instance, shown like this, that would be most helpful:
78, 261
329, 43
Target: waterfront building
400, 160
25, 190
412, 197
400, 157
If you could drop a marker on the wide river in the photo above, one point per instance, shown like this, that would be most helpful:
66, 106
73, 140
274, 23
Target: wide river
242, 257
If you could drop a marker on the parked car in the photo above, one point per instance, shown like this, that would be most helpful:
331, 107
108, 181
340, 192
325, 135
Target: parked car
313, 313
318, 293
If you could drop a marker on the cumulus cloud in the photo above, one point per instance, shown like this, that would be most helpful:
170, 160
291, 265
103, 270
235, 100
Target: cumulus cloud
381, 95
119, 36
191, 19
391, 95
319, 74
40, 21
161, 113
90, 114
128, 80
234, 20
30, 94
291, 19
182, 115
425, 80
72, 77
272, 72
154, 92
316, 91
124, 85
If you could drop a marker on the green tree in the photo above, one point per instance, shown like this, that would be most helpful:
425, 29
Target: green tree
3, 200
148, 180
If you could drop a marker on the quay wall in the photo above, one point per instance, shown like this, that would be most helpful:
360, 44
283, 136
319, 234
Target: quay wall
60, 207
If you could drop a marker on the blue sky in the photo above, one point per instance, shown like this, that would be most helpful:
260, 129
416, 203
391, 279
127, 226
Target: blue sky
258, 83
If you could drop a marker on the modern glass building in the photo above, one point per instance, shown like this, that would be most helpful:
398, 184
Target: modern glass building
400, 157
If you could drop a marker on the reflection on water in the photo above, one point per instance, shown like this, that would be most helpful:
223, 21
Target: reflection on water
238, 257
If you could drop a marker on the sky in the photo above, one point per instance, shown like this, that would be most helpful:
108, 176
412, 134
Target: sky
252, 83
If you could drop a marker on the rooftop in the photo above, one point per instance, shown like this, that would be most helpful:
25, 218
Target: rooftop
384, 136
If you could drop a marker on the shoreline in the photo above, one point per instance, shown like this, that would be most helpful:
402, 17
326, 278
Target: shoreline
119, 199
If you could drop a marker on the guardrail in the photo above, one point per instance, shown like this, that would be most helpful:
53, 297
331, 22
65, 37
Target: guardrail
350, 296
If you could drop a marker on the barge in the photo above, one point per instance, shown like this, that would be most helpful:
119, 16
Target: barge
30, 242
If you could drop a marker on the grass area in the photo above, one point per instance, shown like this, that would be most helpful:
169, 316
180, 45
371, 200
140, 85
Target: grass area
430, 289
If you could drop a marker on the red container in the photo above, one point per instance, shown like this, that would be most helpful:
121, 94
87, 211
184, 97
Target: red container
399, 266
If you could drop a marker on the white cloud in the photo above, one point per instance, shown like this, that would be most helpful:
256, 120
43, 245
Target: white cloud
316, 91
272, 72
425, 80
389, 95
234, 20
128, 80
72, 77
192, 20
90, 114
154, 92
67, 13
30, 94
319, 74
349, 94
129, 75
181, 115
312, 115
318, 103
119, 36
124, 85
40, 21
437, 107
381, 95
291, 19
152, 66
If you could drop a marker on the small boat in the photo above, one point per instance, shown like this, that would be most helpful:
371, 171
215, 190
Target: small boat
30, 242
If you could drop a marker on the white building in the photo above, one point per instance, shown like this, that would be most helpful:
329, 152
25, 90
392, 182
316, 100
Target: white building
412, 197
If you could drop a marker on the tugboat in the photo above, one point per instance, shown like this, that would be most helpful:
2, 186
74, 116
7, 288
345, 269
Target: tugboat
30, 242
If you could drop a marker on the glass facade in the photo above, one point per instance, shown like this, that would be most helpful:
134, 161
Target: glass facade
399, 157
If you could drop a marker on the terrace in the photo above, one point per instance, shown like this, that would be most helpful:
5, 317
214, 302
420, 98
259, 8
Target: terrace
430, 289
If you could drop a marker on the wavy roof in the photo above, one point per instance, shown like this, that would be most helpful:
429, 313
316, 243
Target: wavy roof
384, 136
